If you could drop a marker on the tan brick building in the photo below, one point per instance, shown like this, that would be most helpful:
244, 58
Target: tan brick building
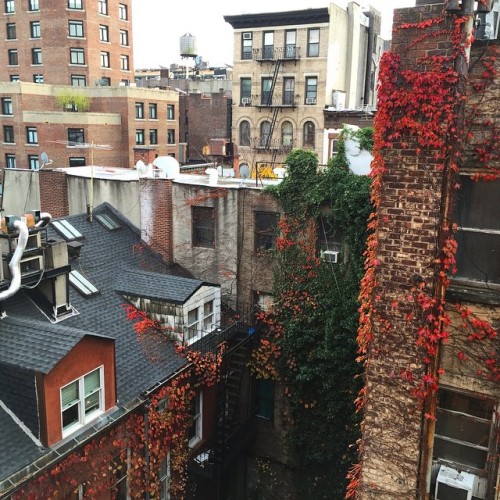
289, 67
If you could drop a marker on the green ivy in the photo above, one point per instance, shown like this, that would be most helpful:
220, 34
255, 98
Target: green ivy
322, 341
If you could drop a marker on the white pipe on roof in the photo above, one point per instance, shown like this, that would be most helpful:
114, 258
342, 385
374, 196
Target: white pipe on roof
45, 218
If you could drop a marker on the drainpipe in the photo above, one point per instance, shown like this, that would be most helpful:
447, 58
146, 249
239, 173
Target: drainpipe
369, 51
14, 264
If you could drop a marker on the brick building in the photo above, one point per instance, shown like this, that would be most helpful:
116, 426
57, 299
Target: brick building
420, 320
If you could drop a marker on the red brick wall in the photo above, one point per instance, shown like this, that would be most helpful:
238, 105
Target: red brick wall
156, 216
54, 193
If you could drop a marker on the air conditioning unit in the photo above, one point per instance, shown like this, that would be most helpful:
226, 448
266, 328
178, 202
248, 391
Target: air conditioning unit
338, 100
310, 100
247, 36
245, 100
330, 256
452, 484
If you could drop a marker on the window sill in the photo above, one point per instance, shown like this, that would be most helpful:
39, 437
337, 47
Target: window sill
474, 291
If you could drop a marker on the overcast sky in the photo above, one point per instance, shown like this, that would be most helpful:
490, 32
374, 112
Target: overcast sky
159, 25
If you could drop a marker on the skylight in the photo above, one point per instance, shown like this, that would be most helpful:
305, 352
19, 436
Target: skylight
82, 284
65, 229
107, 222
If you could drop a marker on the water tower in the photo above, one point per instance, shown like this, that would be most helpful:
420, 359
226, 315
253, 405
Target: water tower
188, 46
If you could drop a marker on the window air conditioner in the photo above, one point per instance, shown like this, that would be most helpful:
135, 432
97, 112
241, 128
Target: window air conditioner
247, 36
454, 485
310, 100
330, 256
245, 100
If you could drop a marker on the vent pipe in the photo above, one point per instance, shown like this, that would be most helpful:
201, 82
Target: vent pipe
15, 268
45, 218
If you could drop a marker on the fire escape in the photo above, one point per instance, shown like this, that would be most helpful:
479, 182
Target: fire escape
275, 58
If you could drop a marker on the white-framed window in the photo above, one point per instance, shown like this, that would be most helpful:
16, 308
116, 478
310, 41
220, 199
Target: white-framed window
14, 78
33, 162
77, 56
9, 7
139, 110
33, 5
35, 30
122, 12
104, 59
13, 57
6, 106
313, 42
170, 112
78, 80
103, 7
193, 325
38, 78
75, 4
246, 45
8, 134
36, 56
153, 136
103, 33
139, 136
10, 160
153, 111
124, 38
124, 63
208, 315
164, 478
11, 31
31, 135
82, 400
171, 136
196, 429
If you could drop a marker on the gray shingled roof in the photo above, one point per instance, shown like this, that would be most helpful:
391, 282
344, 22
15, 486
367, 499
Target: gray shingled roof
28, 339
173, 289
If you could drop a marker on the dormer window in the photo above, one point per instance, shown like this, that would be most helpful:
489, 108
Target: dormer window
82, 400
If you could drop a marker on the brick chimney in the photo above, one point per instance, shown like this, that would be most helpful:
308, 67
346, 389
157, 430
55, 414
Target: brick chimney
54, 192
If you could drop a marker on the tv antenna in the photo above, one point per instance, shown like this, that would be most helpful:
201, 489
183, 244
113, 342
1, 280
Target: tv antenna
92, 146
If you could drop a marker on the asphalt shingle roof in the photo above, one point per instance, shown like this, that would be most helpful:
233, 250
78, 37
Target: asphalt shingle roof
108, 260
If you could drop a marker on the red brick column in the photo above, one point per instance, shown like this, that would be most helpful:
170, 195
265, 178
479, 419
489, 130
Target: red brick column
54, 192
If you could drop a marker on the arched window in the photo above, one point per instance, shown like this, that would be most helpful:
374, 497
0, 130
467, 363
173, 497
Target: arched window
309, 133
287, 134
245, 133
265, 130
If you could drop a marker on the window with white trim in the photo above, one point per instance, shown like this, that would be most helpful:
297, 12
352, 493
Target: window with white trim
31, 135
103, 33
11, 31
105, 60
78, 80
196, 429
13, 57
33, 5
9, 7
313, 42
164, 478
124, 63
75, 4
35, 30
103, 7
122, 12
193, 325
139, 136
36, 55
124, 38
82, 400
75, 29
208, 315
6, 106
10, 160
33, 162
77, 56
170, 112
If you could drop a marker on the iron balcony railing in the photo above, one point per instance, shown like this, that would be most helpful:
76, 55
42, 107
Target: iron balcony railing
288, 53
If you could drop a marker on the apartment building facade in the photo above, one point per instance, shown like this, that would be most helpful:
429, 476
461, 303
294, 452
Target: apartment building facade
289, 67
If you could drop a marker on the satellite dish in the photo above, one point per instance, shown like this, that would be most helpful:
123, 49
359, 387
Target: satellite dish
197, 61
44, 158
141, 167
167, 166
244, 173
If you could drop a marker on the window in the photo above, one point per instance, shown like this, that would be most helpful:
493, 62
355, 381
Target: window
308, 140
77, 161
103, 7
245, 133
8, 134
266, 228
153, 136
36, 56
287, 134
124, 38
268, 46
67, 231
13, 59
196, 430
108, 222
124, 63
246, 91
266, 96
75, 136
311, 90
263, 301
76, 56
290, 44
313, 42
31, 135
193, 325
208, 316
153, 111
104, 59
78, 80
82, 284
103, 33
463, 431
125, 82
265, 134
11, 31
105, 81
203, 227
170, 112
10, 161
14, 78
170, 136
75, 4
139, 136
81, 401
6, 106
139, 110
478, 237
33, 5
288, 91
75, 29
265, 399
120, 470
35, 30
122, 12
164, 478
9, 7
33, 162
246, 46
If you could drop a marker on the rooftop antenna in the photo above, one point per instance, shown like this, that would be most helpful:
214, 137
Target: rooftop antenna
92, 146
44, 157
